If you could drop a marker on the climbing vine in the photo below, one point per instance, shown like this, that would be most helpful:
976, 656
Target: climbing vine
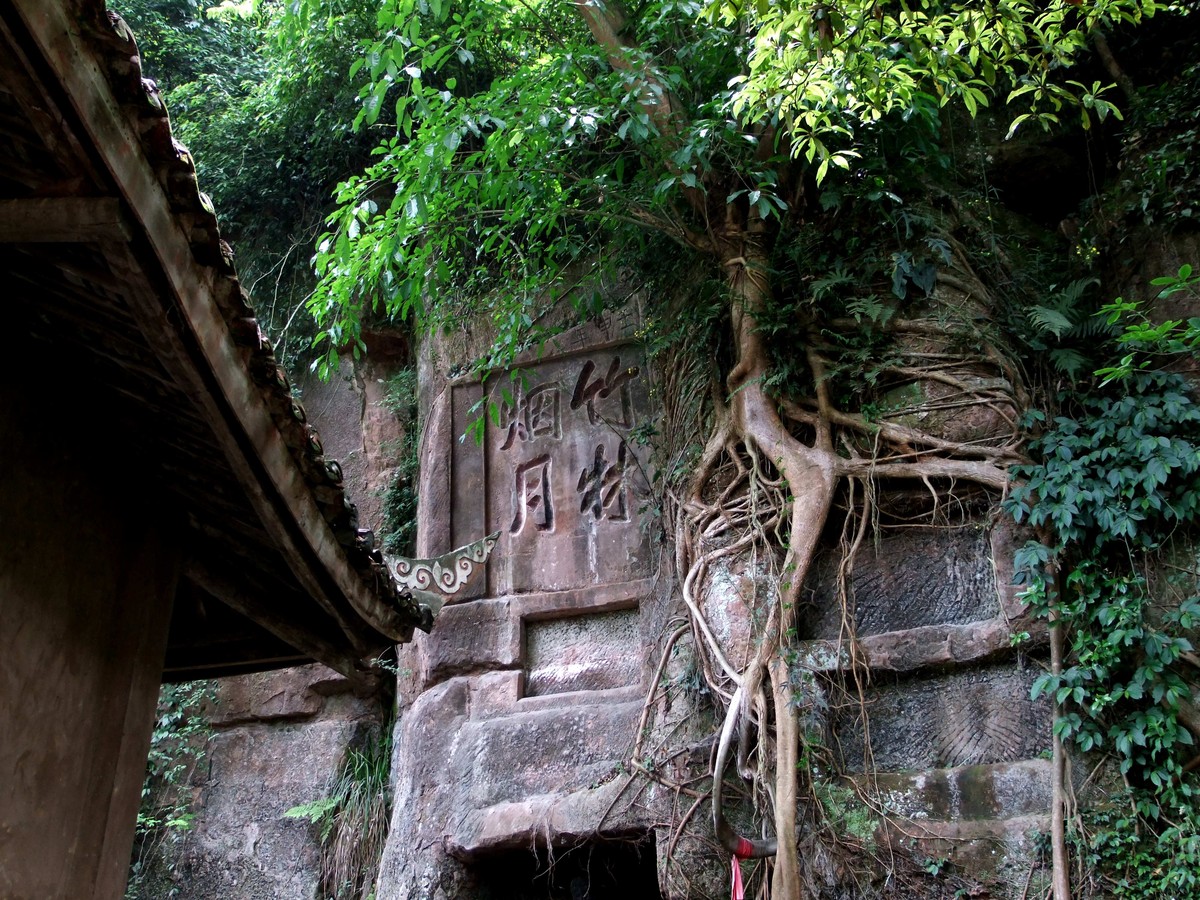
178, 745
1115, 499
1121, 857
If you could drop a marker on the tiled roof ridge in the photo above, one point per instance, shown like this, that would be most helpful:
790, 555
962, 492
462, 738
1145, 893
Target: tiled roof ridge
144, 108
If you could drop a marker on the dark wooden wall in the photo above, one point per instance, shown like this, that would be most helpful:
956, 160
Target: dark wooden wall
87, 575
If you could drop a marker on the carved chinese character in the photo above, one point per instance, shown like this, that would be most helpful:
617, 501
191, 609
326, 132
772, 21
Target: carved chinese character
531, 496
541, 413
601, 487
534, 415
512, 420
588, 391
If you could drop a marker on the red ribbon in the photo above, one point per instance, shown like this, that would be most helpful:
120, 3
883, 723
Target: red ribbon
739, 892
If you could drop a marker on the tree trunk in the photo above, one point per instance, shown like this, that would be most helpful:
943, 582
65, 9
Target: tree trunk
810, 476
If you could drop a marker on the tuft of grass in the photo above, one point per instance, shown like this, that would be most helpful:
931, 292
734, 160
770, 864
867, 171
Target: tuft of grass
353, 819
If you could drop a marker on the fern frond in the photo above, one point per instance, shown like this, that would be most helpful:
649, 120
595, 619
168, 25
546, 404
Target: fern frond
1069, 362
1049, 320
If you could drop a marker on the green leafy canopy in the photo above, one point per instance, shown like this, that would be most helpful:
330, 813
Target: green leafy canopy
823, 67
529, 135
262, 96
517, 149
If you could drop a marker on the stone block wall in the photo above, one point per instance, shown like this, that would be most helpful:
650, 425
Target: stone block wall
943, 737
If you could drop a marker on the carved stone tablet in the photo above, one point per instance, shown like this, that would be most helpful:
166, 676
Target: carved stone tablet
558, 472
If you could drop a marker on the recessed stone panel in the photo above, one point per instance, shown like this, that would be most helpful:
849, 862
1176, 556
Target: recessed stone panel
582, 653
557, 472
911, 579
474, 637
971, 718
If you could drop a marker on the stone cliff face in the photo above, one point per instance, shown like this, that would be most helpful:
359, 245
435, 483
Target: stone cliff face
278, 739
524, 739
524, 735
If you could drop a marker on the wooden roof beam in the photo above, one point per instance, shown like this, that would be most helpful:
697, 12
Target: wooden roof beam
194, 342
66, 220
255, 607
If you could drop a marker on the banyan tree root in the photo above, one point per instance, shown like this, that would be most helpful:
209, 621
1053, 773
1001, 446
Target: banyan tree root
758, 486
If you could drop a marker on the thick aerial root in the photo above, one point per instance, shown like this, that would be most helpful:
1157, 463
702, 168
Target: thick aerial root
1060, 881
644, 719
746, 848
758, 489
786, 881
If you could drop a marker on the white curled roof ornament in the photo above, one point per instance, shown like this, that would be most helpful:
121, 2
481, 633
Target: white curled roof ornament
434, 581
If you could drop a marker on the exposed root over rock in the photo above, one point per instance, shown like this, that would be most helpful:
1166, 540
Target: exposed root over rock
762, 489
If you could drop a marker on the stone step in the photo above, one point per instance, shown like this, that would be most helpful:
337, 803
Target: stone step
999, 853
983, 819
962, 793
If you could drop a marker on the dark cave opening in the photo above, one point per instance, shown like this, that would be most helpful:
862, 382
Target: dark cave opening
610, 868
